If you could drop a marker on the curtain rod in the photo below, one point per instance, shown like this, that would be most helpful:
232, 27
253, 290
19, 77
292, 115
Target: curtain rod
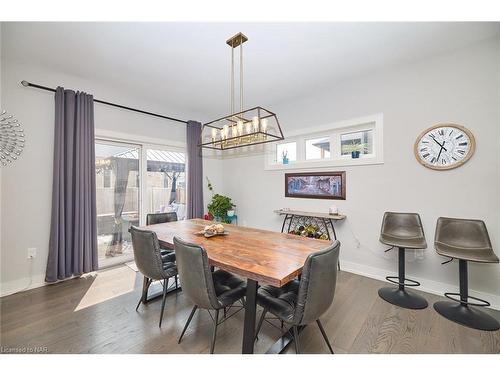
29, 84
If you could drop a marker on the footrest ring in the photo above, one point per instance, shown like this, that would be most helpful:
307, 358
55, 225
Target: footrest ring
395, 280
482, 304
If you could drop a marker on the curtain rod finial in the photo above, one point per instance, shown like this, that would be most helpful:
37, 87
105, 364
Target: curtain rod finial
25, 83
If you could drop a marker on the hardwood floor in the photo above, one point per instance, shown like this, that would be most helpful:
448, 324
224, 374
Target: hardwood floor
97, 314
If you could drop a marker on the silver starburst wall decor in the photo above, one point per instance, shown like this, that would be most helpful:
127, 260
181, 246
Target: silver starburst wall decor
11, 138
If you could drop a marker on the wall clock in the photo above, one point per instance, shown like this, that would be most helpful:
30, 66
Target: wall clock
444, 146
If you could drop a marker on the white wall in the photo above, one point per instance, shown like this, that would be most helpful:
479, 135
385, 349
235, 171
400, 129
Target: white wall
461, 87
26, 184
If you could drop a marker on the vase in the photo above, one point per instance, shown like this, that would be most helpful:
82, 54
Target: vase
230, 213
285, 160
355, 154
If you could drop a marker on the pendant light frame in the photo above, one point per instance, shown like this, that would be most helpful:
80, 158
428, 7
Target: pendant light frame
245, 128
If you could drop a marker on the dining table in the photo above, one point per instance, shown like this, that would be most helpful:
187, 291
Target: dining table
260, 256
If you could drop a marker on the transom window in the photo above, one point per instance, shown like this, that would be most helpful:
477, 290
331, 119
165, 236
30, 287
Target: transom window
286, 152
361, 141
352, 142
318, 148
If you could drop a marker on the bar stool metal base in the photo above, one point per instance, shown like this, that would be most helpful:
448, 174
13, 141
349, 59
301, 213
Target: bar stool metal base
467, 316
402, 298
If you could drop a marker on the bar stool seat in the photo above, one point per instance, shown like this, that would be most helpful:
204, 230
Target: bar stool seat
404, 231
468, 241
471, 254
410, 242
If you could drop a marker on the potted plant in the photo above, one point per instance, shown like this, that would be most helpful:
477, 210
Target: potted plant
354, 148
284, 156
219, 207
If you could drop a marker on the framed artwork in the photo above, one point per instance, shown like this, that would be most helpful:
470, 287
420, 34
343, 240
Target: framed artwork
317, 185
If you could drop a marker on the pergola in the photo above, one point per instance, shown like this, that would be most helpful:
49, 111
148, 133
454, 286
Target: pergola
171, 163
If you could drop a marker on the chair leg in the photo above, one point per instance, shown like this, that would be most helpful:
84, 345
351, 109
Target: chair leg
259, 325
324, 336
165, 287
296, 339
176, 282
216, 321
144, 295
187, 323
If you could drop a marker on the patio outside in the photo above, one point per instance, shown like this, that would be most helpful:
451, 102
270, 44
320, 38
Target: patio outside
118, 190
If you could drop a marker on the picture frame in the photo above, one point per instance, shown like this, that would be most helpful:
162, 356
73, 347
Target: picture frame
316, 185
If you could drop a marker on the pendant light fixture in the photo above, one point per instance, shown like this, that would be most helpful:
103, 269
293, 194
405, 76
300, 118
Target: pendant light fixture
244, 128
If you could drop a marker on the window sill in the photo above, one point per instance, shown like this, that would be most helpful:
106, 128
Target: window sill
324, 163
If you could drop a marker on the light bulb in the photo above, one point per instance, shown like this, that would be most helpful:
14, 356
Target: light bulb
214, 134
248, 126
264, 124
255, 122
225, 128
239, 126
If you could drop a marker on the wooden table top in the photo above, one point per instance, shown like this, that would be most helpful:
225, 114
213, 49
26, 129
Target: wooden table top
267, 257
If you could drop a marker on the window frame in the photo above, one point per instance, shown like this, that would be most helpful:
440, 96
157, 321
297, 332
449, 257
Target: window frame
286, 143
315, 137
356, 130
334, 132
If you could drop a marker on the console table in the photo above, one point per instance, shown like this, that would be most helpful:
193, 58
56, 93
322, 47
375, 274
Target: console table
321, 219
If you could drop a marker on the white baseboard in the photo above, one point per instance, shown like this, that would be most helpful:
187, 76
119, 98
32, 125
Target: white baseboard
21, 285
427, 285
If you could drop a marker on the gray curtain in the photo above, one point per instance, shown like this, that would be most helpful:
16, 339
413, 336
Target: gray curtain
121, 167
73, 233
195, 171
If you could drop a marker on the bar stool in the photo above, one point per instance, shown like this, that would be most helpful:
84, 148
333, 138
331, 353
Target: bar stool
404, 231
468, 241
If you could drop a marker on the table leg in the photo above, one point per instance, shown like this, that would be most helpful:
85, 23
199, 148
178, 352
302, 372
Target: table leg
325, 223
284, 222
286, 339
250, 314
334, 237
155, 292
333, 229
290, 223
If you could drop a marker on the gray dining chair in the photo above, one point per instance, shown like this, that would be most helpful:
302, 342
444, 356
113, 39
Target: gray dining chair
302, 302
160, 218
151, 263
212, 291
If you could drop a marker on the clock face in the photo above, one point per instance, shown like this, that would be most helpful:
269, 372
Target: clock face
444, 146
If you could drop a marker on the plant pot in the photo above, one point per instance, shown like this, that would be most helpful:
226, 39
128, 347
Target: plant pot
230, 213
355, 154
285, 161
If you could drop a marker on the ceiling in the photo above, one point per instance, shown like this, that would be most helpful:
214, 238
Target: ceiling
186, 65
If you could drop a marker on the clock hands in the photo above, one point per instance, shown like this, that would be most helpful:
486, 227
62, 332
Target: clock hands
440, 145
442, 148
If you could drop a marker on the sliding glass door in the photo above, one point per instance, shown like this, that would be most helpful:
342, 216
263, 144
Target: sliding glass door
133, 180
118, 193
165, 182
